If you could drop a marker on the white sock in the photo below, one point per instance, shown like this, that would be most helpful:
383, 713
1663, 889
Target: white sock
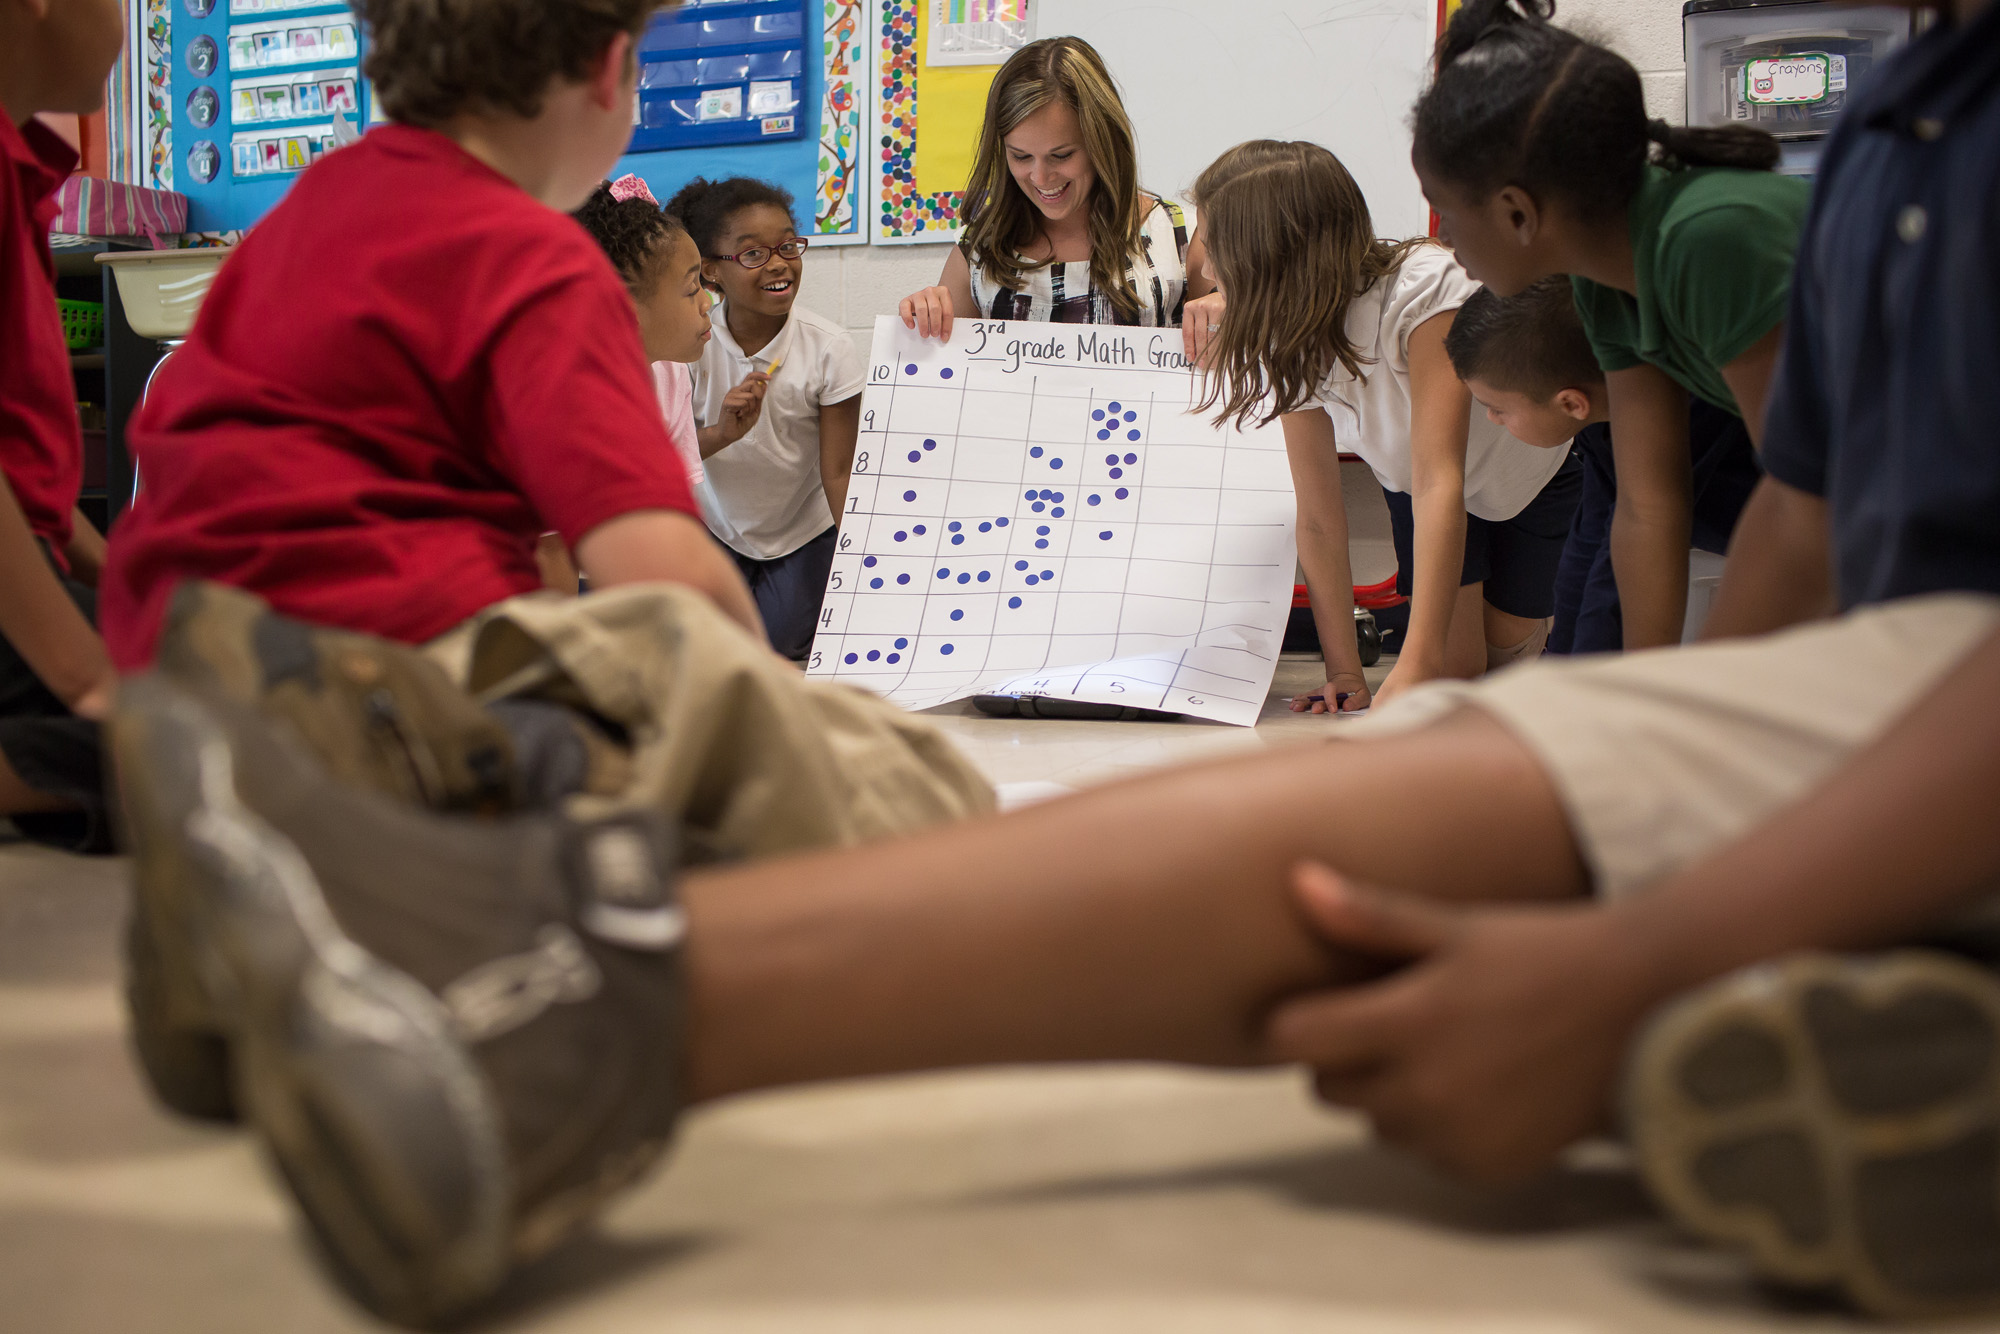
1525, 651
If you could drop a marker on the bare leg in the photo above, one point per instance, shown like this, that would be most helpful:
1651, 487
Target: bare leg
17, 798
1465, 645
1145, 920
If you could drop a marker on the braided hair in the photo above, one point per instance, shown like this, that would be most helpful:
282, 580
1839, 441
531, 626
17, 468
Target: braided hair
1520, 101
635, 233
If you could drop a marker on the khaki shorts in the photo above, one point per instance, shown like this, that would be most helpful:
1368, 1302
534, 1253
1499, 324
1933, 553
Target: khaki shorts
724, 737
1664, 756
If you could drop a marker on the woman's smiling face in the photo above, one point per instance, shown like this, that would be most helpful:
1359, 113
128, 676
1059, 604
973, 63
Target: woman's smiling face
1046, 155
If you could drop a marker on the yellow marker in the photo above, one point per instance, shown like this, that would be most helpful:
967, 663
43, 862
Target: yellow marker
771, 371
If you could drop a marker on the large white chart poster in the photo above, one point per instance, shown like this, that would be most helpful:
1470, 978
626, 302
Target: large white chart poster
1036, 510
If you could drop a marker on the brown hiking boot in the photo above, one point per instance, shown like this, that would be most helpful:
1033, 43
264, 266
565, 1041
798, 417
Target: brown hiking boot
455, 1037
1839, 1120
377, 714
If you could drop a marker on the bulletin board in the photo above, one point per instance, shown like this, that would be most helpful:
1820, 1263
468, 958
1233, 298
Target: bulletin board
820, 166
1197, 77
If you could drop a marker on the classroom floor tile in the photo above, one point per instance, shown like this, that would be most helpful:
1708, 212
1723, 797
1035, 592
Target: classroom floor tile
1123, 1198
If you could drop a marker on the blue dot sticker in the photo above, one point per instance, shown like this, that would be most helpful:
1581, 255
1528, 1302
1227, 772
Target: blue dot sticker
910, 369
1104, 435
999, 523
945, 374
1013, 602
894, 657
1055, 463
1104, 536
985, 527
1130, 459
918, 529
930, 444
965, 578
1131, 416
1131, 435
1020, 565
953, 526
902, 578
874, 654
868, 561
944, 574
902, 643
1037, 507
1096, 499
874, 583
1035, 452
1034, 494
984, 575
1098, 415
945, 649
1043, 530
914, 456
957, 613
1048, 575
1034, 579
958, 539
852, 657
1054, 495
1116, 473
902, 536
909, 495
1111, 459
1121, 493
1056, 513
1113, 407
1041, 544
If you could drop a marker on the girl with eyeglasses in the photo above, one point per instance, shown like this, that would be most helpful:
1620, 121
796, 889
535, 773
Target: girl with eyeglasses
777, 393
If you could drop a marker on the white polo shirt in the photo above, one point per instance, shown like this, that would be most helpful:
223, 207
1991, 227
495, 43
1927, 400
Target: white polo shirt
1371, 412
762, 496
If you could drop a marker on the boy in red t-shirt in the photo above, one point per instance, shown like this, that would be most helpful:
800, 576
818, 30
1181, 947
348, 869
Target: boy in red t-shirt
55, 680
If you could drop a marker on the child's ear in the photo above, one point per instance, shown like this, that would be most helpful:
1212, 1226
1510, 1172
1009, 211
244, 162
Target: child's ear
1574, 403
615, 73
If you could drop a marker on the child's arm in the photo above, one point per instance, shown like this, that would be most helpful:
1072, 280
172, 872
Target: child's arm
1440, 416
839, 424
1314, 453
741, 407
1749, 381
85, 552
43, 625
1651, 523
667, 547
1780, 565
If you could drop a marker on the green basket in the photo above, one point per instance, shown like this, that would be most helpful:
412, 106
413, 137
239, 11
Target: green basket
83, 323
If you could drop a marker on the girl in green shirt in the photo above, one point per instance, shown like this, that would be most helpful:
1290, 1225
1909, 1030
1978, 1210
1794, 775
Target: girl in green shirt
1534, 147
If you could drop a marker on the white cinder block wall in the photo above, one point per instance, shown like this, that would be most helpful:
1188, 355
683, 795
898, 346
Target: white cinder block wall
853, 284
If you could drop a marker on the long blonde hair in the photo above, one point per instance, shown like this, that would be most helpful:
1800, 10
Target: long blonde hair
1288, 232
1002, 221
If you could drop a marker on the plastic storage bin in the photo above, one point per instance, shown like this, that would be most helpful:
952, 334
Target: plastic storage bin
1784, 66
83, 323
162, 289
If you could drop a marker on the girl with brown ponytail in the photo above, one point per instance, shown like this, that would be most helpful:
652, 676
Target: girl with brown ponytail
1534, 147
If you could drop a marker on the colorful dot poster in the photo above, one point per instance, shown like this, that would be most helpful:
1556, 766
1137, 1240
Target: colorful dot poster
1036, 510
920, 178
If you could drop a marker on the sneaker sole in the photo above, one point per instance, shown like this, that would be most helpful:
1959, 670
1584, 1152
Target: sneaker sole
350, 1070
1840, 1120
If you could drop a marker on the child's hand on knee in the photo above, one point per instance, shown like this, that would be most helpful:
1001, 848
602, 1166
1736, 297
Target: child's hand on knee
1495, 1045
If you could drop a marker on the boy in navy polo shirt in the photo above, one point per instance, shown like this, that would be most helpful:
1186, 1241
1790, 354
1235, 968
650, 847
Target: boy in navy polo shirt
55, 679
